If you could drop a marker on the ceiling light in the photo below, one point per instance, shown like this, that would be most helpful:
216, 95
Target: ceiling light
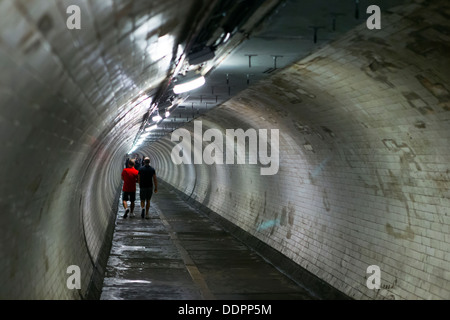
152, 128
189, 85
227, 37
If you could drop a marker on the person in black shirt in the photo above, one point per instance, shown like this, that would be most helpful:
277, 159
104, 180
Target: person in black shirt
146, 179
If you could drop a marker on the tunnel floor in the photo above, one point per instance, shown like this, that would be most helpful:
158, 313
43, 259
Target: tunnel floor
180, 254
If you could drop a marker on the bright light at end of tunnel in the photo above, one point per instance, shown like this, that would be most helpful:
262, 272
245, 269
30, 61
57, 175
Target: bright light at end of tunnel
190, 85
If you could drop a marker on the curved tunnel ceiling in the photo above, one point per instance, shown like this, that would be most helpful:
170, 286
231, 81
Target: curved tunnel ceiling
363, 175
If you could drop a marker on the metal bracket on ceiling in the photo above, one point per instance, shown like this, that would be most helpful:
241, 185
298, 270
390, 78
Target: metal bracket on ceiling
228, 78
356, 9
334, 16
250, 59
249, 75
275, 58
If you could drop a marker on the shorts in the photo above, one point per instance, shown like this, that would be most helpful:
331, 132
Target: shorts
146, 193
129, 196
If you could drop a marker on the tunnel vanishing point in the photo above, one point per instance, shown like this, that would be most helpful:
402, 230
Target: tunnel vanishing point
363, 174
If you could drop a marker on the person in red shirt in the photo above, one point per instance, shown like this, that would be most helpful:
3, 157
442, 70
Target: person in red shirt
129, 177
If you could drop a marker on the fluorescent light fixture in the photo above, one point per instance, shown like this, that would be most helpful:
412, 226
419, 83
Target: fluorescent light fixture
152, 128
157, 118
227, 37
190, 85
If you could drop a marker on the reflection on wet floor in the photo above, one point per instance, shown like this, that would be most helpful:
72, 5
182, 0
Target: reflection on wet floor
180, 254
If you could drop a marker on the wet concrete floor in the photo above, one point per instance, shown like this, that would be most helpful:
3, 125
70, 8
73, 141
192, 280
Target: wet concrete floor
180, 254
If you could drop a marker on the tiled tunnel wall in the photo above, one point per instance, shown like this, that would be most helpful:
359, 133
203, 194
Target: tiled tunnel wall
70, 106
364, 171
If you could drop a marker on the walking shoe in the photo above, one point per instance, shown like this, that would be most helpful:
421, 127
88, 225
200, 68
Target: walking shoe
147, 216
132, 215
126, 213
142, 213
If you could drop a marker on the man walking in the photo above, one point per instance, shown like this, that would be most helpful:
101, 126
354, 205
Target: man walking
146, 179
129, 177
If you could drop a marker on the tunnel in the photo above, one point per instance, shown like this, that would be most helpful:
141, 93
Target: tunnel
324, 143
